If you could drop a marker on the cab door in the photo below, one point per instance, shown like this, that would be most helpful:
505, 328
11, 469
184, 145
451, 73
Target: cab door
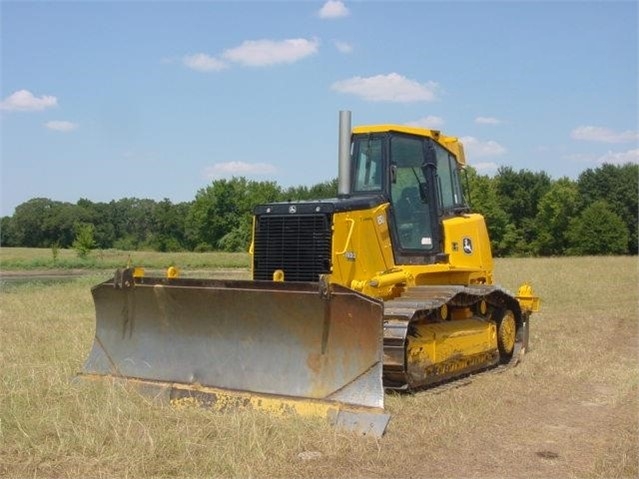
414, 200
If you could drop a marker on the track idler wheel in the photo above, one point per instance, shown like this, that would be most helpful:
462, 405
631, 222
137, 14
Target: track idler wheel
506, 333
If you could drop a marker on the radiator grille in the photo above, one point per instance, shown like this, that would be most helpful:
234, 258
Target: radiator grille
299, 245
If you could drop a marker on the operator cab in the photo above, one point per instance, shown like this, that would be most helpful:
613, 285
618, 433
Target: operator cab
420, 179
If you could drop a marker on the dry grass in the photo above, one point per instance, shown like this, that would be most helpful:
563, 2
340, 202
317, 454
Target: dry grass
570, 410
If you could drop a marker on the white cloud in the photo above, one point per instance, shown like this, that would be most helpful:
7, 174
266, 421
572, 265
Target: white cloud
257, 53
343, 47
605, 135
615, 158
429, 122
24, 100
333, 9
61, 125
203, 63
479, 149
487, 120
391, 88
620, 158
238, 168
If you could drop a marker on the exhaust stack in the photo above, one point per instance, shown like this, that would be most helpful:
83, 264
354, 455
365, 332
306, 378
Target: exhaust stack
344, 155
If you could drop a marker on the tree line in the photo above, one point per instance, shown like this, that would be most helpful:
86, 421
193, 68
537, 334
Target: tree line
219, 218
528, 214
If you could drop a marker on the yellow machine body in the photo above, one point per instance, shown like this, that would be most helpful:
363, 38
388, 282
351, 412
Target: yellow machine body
363, 255
443, 315
438, 350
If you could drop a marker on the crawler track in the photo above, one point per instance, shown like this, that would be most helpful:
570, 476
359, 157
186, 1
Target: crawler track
419, 302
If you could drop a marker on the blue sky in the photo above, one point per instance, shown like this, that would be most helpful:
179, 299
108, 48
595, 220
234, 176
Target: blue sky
155, 99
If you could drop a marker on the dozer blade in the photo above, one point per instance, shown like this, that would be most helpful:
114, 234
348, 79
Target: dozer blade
292, 347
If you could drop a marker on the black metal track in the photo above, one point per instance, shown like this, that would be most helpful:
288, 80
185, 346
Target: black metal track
420, 301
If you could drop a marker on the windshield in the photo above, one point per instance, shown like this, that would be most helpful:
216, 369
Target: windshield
409, 194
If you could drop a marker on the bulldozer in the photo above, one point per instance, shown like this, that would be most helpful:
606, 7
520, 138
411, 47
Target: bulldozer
388, 286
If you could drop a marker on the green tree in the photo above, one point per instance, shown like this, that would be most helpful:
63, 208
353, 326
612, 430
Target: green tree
6, 234
101, 216
239, 237
41, 222
27, 222
214, 212
519, 194
484, 199
319, 191
555, 211
132, 220
221, 215
326, 189
617, 185
60, 226
168, 232
296, 193
513, 242
84, 240
55, 252
598, 230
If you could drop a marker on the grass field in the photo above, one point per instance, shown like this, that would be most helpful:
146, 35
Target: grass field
30, 259
569, 410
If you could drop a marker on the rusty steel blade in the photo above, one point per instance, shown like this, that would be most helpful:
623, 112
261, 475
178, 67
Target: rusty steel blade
282, 339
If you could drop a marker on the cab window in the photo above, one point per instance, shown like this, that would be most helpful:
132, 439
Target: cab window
368, 165
450, 193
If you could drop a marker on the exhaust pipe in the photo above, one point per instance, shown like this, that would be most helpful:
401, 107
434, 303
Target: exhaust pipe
344, 155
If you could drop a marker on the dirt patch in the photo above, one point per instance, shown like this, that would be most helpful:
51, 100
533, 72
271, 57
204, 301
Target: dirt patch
557, 426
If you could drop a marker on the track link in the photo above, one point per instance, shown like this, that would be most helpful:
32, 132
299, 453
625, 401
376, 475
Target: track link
419, 302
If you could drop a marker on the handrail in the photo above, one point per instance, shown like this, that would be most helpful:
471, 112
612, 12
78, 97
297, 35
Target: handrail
348, 237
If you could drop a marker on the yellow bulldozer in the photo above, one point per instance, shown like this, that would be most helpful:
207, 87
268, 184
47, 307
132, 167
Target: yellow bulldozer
387, 286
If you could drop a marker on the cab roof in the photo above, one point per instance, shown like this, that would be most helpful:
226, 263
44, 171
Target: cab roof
451, 143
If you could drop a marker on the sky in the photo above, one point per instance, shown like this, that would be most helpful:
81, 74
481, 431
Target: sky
157, 99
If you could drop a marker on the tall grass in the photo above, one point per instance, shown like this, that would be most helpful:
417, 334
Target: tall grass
569, 410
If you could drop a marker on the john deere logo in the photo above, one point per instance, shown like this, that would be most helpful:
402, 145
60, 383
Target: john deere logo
467, 245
